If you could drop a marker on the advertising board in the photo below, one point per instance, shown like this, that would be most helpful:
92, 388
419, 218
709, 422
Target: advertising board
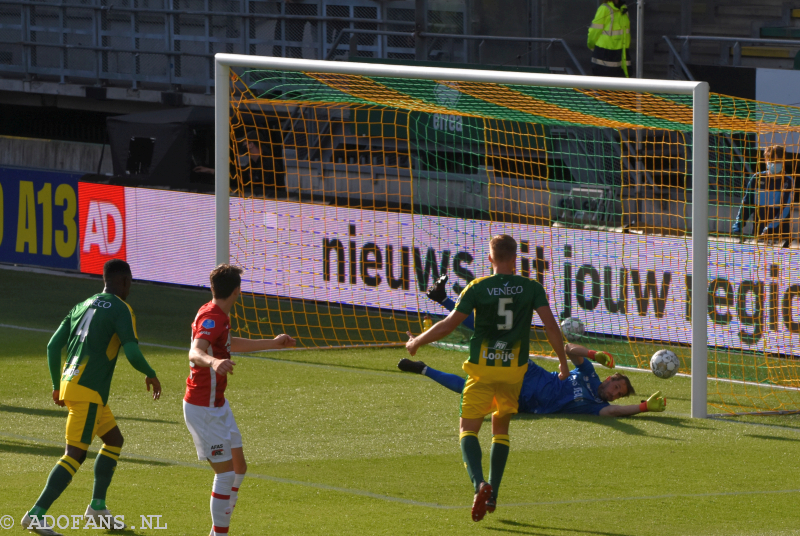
622, 284
38, 218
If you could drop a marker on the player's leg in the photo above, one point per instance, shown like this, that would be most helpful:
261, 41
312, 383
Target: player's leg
498, 457
476, 402
104, 466
212, 440
507, 399
451, 381
239, 462
224, 477
80, 431
239, 470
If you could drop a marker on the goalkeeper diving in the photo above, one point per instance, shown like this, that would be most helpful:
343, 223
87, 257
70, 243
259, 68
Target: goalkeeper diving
543, 392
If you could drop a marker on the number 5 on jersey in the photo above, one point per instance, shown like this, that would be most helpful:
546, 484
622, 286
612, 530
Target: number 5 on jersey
502, 303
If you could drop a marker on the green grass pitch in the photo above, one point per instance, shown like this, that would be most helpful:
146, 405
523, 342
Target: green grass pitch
340, 442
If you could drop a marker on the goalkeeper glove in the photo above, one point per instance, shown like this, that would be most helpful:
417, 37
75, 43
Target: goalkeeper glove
656, 402
603, 358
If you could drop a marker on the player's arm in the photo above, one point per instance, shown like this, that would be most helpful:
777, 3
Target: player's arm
125, 326
199, 357
656, 402
242, 345
438, 331
555, 339
54, 347
137, 361
596, 28
747, 207
578, 353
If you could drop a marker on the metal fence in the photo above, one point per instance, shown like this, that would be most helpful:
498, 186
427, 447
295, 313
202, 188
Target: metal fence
158, 43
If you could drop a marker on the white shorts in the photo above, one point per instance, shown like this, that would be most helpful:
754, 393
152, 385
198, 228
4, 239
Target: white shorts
214, 431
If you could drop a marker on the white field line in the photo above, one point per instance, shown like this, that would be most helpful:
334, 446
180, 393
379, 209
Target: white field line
389, 498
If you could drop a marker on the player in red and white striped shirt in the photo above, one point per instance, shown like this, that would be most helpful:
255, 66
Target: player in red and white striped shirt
208, 415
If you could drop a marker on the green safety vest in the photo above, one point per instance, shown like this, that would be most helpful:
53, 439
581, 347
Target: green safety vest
611, 30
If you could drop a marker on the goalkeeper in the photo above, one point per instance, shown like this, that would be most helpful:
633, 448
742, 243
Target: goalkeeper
542, 392
581, 393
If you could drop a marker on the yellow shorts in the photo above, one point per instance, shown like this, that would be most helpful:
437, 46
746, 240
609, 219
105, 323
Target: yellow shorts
479, 399
86, 420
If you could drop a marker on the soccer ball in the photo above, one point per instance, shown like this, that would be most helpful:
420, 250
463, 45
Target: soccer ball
665, 364
572, 329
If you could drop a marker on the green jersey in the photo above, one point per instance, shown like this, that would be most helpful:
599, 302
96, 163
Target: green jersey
503, 305
98, 328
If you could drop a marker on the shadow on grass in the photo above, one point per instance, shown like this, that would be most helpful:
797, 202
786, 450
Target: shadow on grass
39, 412
626, 425
773, 438
16, 447
789, 427
618, 424
63, 412
126, 531
53, 451
326, 364
139, 461
543, 530
678, 422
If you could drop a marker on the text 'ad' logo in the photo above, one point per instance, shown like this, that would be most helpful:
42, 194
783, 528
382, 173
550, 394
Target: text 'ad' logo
104, 228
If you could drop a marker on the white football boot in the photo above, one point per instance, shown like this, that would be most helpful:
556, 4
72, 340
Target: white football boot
97, 516
40, 528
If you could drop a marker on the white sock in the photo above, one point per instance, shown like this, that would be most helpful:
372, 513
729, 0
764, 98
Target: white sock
220, 502
424, 370
237, 482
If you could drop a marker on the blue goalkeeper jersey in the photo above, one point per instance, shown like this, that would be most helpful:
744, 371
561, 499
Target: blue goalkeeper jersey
542, 391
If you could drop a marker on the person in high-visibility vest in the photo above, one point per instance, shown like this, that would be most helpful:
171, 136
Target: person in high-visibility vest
609, 39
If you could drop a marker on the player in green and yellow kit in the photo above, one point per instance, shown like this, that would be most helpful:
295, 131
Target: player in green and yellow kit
93, 332
503, 304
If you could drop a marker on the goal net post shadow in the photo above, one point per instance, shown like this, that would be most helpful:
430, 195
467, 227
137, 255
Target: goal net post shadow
356, 185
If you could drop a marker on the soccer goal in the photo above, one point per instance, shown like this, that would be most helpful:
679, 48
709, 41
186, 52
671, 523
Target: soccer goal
352, 187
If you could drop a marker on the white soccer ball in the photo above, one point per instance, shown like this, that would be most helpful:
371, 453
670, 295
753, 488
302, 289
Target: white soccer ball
665, 364
572, 329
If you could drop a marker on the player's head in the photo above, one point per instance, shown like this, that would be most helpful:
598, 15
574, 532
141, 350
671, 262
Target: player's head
503, 249
774, 153
225, 280
253, 143
117, 277
615, 386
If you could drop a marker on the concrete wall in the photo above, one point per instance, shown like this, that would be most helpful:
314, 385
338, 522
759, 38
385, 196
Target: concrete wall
509, 18
55, 155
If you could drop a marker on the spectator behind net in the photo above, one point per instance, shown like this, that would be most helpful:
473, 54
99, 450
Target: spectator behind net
768, 197
260, 163
265, 165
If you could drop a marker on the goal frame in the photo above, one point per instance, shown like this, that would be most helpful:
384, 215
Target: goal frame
700, 108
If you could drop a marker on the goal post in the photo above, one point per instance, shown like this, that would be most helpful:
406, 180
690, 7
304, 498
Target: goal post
472, 82
699, 250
